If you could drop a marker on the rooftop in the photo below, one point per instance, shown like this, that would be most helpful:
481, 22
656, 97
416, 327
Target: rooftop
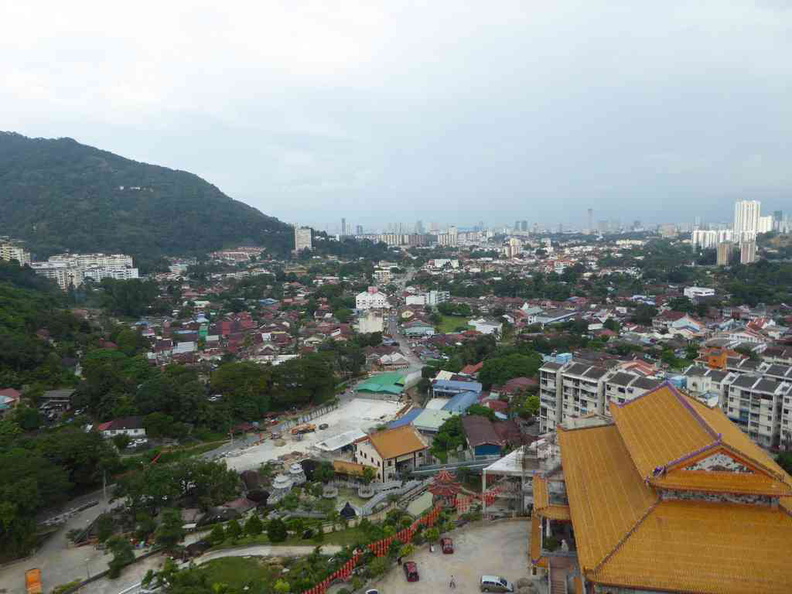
393, 443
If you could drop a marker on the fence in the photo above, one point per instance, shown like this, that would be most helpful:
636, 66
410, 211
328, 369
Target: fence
307, 417
381, 547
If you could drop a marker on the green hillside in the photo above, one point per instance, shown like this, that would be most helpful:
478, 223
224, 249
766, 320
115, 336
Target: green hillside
58, 194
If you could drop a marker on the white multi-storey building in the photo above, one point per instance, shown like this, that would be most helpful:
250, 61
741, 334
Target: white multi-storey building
92, 260
746, 219
302, 239
12, 251
710, 238
371, 299
62, 273
756, 404
97, 273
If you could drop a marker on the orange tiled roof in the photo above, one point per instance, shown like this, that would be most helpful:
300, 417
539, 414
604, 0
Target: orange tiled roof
658, 429
695, 546
542, 505
724, 482
536, 542
351, 468
393, 443
628, 537
606, 494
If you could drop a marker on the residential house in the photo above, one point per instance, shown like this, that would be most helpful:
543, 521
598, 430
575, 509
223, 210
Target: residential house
130, 426
392, 451
480, 436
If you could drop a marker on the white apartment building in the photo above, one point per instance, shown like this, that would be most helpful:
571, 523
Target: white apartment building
97, 273
569, 390
622, 386
746, 219
383, 276
93, 260
302, 239
12, 251
756, 404
432, 298
710, 238
71, 270
574, 389
371, 299
62, 273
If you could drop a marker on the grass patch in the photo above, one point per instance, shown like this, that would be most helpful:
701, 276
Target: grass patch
239, 573
173, 454
449, 324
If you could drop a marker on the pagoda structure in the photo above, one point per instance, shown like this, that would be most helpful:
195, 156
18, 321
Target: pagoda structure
445, 488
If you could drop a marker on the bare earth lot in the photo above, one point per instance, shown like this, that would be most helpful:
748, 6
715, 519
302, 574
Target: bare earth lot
358, 413
499, 548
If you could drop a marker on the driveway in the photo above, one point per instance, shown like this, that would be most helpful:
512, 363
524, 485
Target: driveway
499, 548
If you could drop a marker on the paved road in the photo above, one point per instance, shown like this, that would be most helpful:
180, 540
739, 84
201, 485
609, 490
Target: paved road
265, 551
58, 560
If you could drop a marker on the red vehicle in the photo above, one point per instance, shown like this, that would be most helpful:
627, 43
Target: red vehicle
448, 545
411, 571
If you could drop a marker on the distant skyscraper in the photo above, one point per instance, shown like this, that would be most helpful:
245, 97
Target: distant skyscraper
359, 230
302, 239
697, 222
590, 228
343, 227
523, 225
516, 225
778, 220
748, 251
746, 219
725, 249
419, 227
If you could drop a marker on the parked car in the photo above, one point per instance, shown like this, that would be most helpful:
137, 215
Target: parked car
495, 583
372, 591
323, 426
448, 545
411, 571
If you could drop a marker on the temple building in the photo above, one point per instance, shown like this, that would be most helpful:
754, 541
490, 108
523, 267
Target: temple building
668, 496
444, 488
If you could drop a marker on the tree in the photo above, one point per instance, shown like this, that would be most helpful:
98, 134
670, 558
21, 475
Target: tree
246, 386
530, 405
482, 411
324, 472
369, 474
612, 324
254, 526
121, 441
432, 535
276, 530
171, 529
499, 370
123, 555
233, 530
104, 527
450, 436
282, 587
217, 535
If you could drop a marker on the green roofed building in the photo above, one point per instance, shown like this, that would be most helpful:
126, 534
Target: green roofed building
384, 383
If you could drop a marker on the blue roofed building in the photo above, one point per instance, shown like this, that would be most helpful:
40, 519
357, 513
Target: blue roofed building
406, 419
461, 402
450, 388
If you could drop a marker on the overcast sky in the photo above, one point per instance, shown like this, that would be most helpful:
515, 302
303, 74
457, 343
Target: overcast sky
449, 111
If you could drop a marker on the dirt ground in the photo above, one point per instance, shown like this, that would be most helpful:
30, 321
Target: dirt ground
499, 548
358, 413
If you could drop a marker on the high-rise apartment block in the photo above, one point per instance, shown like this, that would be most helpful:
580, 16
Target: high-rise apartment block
71, 270
748, 251
746, 219
302, 239
725, 249
710, 238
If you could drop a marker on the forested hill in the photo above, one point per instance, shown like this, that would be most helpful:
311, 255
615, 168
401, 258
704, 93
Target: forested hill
58, 194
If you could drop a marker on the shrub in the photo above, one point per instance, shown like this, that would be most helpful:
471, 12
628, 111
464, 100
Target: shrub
254, 526
217, 535
233, 530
